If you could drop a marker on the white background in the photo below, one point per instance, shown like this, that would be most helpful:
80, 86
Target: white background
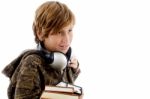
111, 41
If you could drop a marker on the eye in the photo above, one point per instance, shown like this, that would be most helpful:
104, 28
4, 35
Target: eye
59, 33
70, 30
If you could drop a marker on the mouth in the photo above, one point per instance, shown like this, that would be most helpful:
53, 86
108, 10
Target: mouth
64, 47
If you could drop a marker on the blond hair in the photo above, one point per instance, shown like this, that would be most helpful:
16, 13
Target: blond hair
50, 17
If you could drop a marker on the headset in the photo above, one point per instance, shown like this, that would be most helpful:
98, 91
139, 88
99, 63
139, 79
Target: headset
57, 60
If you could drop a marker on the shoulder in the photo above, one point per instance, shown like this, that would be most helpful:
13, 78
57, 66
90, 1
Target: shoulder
29, 65
32, 57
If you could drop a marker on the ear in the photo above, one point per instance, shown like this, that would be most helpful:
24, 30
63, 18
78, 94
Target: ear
40, 36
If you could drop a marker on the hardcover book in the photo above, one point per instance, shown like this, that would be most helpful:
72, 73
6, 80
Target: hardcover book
62, 91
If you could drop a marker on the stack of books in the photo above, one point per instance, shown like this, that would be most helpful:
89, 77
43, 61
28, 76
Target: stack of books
62, 91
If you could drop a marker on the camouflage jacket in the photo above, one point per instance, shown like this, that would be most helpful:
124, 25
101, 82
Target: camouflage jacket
29, 74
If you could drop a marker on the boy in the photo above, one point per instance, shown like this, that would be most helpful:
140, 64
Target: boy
52, 61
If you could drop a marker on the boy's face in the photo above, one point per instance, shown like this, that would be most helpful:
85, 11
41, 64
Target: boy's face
59, 41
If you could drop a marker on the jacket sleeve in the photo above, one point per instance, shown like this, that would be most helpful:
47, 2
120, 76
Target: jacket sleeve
28, 84
75, 72
70, 74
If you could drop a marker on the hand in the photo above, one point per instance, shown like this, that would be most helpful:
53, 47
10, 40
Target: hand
73, 63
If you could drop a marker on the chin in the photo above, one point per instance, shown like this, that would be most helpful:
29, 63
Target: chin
64, 51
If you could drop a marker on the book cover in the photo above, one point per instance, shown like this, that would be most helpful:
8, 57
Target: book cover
55, 95
62, 90
76, 89
59, 89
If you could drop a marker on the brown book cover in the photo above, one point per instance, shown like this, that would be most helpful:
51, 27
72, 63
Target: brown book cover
62, 91
57, 95
59, 89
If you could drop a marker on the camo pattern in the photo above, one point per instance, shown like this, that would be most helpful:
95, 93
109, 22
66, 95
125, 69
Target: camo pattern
29, 74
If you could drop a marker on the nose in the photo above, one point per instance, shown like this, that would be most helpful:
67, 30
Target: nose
65, 38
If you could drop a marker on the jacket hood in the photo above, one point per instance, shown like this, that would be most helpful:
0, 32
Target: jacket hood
11, 67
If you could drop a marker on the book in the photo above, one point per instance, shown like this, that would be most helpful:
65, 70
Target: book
62, 90
76, 89
59, 89
55, 95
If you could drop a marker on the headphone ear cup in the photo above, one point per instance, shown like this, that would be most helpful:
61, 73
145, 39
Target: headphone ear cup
60, 61
49, 57
56, 60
